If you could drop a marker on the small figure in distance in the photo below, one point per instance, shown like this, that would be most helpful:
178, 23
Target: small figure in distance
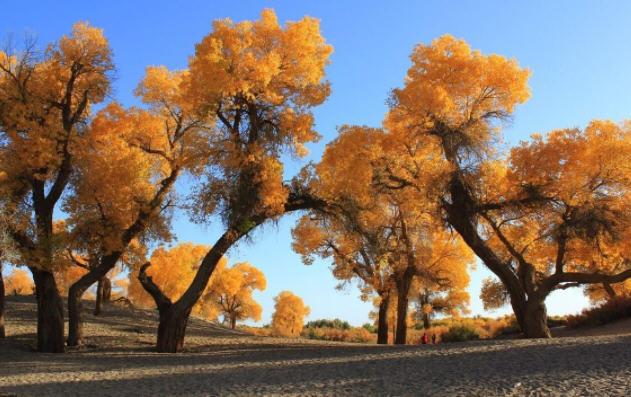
433, 339
424, 338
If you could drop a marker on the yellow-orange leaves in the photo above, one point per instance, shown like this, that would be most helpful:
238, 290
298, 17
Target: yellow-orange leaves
231, 289
289, 314
19, 282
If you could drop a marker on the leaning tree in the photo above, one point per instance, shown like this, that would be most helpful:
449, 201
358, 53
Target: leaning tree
551, 215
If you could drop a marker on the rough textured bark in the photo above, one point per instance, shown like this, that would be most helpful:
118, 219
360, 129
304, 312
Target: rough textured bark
50, 313
535, 323
2, 330
403, 289
172, 328
99, 298
382, 322
75, 293
107, 289
233, 321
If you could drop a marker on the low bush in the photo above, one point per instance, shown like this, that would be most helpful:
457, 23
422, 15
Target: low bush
370, 328
607, 312
460, 333
354, 335
324, 323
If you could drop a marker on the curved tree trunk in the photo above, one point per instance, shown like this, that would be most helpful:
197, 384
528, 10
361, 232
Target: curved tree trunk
50, 313
382, 322
2, 331
75, 293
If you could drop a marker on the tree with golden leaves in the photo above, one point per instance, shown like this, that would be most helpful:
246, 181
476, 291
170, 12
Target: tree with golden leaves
383, 238
45, 104
538, 218
230, 292
123, 191
18, 282
260, 81
171, 269
289, 314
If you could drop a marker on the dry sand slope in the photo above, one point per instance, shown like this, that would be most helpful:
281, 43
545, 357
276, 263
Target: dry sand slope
118, 361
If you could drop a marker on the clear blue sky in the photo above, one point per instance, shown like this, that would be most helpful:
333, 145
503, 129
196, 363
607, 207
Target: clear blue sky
579, 53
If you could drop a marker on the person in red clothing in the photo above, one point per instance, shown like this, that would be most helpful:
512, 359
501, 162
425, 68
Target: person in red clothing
424, 338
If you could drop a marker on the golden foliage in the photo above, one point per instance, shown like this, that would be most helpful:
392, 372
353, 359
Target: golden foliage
172, 270
260, 80
19, 282
230, 292
289, 314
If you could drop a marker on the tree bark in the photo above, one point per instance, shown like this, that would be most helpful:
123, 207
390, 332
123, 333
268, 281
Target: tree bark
233, 321
382, 322
172, 328
2, 331
50, 313
75, 293
107, 289
403, 288
535, 320
427, 321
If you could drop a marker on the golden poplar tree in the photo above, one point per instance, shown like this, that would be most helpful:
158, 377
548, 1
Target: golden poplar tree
289, 314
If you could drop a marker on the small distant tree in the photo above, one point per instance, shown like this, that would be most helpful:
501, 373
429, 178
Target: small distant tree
19, 283
230, 292
289, 314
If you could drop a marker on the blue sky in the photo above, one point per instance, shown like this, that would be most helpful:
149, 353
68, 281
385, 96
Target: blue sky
578, 51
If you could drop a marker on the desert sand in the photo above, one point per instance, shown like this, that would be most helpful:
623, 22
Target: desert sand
117, 359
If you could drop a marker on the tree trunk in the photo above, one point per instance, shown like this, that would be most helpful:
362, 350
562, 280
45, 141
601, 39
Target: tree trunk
233, 321
402, 313
535, 320
2, 331
50, 313
76, 291
107, 289
427, 321
382, 322
172, 328
99, 298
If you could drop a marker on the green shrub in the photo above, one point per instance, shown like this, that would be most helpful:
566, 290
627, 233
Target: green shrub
324, 323
370, 328
460, 333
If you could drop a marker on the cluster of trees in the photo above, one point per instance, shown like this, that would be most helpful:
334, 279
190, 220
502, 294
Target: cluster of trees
400, 209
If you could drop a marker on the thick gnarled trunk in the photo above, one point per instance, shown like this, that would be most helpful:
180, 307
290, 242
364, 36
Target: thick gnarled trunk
172, 328
535, 320
382, 321
403, 290
50, 313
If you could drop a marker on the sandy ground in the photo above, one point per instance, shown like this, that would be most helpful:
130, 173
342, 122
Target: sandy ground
117, 360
